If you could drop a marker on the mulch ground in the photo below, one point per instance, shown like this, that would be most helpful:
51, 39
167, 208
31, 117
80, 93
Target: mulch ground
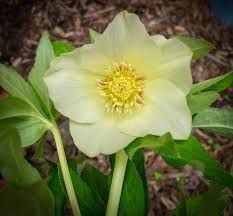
23, 21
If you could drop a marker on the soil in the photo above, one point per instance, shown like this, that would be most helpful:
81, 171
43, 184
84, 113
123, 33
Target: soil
23, 21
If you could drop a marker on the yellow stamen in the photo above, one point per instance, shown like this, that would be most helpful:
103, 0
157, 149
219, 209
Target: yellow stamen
122, 89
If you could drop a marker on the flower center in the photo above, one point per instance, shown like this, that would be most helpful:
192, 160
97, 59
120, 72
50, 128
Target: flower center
122, 88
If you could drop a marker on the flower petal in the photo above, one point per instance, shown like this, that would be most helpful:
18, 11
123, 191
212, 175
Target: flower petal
170, 110
159, 40
165, 110
75, 95
176, 62
102, 137
126, 39
86, 59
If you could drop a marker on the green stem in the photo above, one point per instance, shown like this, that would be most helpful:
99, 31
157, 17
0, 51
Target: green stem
65, 171
117, 183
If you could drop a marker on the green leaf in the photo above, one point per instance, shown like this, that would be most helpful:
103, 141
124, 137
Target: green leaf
216, 120
182, 208
16, 86
132, 197
150, 141
88, 202
139, 162
18, 114
14, 107
215, 84
93, 34
211, 202
178, 153
56, 188
39, 148
97, 181
199, 47
200, 101
192, 205
60, 47
30, 129
193, 153
31, 200
44, 55
157, 175
13, 167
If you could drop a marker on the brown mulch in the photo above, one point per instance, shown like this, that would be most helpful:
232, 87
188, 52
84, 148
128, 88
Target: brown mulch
23, 21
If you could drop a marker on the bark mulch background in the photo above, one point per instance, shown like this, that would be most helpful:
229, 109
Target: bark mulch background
23, 21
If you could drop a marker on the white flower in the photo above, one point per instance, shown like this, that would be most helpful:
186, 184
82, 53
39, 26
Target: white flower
125, 85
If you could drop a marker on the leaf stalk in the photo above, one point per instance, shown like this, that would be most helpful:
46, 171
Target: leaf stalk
65, 171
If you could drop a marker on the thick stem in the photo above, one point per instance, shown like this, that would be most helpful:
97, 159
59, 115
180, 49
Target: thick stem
117, 183
65, 171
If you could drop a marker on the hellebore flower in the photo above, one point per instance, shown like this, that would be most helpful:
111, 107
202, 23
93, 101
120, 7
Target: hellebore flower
125, 85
